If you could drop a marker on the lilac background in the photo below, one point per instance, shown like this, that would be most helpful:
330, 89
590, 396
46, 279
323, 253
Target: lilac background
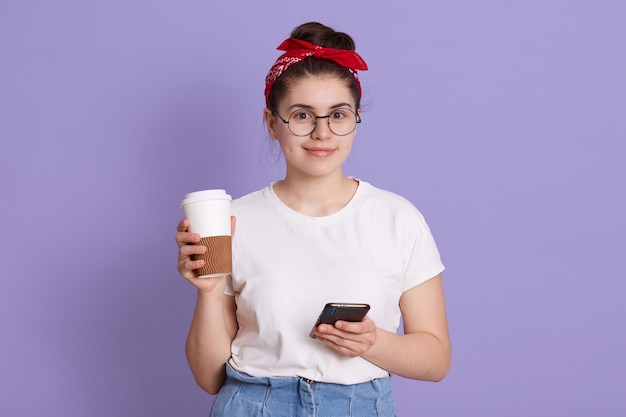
504, 122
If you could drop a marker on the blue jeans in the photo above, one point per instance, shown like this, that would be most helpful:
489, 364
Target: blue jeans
246, 396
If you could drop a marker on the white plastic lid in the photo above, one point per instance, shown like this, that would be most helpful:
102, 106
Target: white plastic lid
203, 195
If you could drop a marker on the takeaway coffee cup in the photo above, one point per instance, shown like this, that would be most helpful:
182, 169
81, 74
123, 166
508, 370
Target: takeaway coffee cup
208, 213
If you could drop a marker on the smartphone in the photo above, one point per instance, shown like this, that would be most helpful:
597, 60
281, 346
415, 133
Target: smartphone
340, 311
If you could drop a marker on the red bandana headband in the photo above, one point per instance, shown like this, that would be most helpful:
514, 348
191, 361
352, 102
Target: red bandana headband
297, 50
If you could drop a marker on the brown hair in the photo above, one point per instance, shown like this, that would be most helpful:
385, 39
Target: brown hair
322, 35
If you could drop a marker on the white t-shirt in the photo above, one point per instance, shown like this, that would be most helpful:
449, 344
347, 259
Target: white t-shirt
287, 266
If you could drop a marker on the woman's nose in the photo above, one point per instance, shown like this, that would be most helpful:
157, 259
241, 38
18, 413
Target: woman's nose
322, 129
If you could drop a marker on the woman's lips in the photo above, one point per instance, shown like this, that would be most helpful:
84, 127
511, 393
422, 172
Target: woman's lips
320, 152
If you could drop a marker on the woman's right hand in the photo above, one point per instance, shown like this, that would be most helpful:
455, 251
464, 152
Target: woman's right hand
187, 267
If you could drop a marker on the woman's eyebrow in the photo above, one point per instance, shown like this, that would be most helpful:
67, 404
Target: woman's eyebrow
308, 107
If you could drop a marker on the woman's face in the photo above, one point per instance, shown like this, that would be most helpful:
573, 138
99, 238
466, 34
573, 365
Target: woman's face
322, 152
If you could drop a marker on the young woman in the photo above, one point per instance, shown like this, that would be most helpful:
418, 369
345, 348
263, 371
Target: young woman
314, 237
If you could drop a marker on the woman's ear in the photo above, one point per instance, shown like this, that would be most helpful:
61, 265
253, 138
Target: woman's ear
270, 122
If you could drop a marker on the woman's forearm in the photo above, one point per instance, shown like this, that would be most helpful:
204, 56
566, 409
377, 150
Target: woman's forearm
417, 355
212, 330
423, 352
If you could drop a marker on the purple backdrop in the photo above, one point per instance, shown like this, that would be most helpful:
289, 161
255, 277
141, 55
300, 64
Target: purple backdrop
504, 122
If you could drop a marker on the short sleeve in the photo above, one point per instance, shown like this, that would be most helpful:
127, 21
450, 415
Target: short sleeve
422, 259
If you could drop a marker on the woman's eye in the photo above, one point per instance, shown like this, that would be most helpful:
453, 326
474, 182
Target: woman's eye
301, 115
338, 115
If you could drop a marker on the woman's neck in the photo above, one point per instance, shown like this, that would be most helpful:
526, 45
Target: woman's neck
316, 197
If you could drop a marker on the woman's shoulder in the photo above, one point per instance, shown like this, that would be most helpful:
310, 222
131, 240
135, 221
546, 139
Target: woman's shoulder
393, 211
384, 197
252, 200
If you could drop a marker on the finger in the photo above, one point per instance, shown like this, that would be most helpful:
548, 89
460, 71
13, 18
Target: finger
187, 251
343, 329
350, 327
357, 337
187, 238
187, 268
233, 222
183, 225
343, 346
333, 335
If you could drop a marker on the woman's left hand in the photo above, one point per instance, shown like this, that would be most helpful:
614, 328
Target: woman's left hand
348, 338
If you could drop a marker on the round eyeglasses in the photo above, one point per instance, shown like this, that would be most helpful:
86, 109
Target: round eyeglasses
342, 121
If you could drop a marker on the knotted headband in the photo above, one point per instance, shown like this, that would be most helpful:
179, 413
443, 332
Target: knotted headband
297, 50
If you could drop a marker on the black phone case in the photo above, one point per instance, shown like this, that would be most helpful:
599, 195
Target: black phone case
341, 311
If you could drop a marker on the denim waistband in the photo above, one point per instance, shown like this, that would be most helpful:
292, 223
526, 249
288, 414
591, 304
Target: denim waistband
284, 381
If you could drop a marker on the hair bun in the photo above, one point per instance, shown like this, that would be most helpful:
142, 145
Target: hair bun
323, 35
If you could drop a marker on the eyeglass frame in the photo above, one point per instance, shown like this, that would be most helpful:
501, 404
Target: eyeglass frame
358, 120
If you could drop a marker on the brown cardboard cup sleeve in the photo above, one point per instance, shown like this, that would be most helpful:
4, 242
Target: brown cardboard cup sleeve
218, 257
